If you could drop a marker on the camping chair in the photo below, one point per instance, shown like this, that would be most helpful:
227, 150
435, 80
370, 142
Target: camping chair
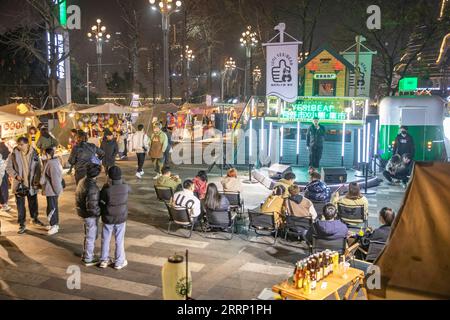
318, 205
262, 222
352, 216
223, 220
236, 202
164, 194
297, 226
319, 245
374, 250
180, 216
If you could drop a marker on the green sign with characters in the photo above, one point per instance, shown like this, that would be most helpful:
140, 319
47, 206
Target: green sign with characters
408, 84
309, 109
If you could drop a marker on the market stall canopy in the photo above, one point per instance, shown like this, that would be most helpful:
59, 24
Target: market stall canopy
5, 117
415, 263
107, 108
21, 109
71, 107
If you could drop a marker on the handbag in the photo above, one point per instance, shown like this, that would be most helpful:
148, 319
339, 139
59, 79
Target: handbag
22, 190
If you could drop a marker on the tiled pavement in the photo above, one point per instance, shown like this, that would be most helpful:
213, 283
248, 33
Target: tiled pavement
34, 266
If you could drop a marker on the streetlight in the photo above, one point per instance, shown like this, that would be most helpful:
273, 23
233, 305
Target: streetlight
189, 56
230, 66
248, 40
98, 35
166, 8
256, 79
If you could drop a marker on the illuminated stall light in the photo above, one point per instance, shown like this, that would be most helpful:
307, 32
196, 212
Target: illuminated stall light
375, 148
359, 146
366, 108
250, 138
343, 140
364, 143
353, 107
298, 138
281, 141
368, 143
262, 134
269, 151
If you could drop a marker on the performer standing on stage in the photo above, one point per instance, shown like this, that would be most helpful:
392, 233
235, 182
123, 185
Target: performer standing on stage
314, 142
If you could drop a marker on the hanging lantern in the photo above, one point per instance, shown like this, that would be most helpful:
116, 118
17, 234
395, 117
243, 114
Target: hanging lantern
175, 286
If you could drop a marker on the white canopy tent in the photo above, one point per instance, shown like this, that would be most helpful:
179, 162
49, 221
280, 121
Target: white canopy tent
107, 108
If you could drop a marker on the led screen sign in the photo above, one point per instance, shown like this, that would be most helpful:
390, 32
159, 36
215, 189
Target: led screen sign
309, 109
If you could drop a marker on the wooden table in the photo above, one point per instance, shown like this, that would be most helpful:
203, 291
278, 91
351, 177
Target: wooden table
335, 282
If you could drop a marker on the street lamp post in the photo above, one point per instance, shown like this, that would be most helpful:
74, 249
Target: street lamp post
230, 65
248, 40
256, 79
167, 8
189, 56
98, 35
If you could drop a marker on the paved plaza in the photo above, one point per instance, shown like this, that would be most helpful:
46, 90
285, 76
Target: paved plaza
34, 265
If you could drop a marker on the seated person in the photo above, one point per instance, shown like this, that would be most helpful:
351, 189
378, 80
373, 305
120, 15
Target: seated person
390, 173
299, 206
328, 229
231, 182
287, 181
405, 169
317, 190
387, 217
187, 199
274, 205
167, 180
354, 198
200, 184
214, 200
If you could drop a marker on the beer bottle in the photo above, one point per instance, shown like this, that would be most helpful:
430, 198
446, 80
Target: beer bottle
300, 277
320, 269
307, 283
295, 276
313, 280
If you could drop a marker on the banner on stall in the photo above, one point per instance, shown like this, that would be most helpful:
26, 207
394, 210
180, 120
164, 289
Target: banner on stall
282, 71
365, 72
12, 129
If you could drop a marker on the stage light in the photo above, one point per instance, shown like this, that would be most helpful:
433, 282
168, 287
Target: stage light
375, 148
364, 143
298, 138
447, 127
343, 142
250, 142
269, 148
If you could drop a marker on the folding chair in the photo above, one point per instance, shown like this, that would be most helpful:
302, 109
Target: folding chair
262, 222
180, 216
223, 220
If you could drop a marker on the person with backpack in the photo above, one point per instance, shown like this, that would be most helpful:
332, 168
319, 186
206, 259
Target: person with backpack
140, 144
24, 167
110, 148
114, 212
52, 187
83, 154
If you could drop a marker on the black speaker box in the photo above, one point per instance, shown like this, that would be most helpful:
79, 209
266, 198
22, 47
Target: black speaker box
277, 171
334, 175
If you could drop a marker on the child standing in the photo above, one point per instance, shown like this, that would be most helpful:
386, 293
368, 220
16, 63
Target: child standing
114, 211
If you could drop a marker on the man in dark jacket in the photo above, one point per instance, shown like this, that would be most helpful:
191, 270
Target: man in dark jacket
314, 143
380, 236
317, 190
82, 155
328, 229
404, 143
114, 208
110, 148
87, 197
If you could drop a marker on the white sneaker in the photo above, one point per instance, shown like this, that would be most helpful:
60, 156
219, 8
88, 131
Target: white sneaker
53, 230
125, 263
138, 175
156, 177
6, 208
104, 264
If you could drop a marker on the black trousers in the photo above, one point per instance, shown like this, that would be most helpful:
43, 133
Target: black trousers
32, 206
315, 155
141, 160
4, 190
390, 177
53, 210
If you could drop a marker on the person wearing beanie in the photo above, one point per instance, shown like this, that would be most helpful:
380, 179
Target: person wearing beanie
114, 213
110, 148
87, 198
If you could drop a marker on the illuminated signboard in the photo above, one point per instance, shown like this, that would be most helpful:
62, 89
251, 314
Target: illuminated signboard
325, 76
408, 84
307, 110
62, 12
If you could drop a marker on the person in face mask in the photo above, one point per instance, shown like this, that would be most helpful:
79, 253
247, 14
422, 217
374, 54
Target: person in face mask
404, 143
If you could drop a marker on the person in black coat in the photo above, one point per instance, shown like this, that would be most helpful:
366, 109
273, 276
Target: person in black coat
114, 210
314, 143
87, 197
404, 143
381, 235
110, 148
83, 155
